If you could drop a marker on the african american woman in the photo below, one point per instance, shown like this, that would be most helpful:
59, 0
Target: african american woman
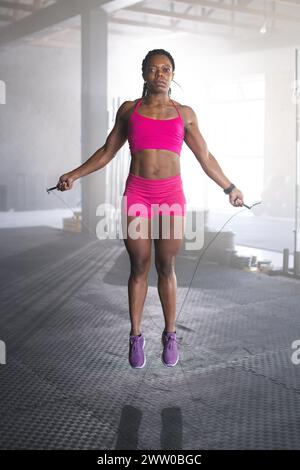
155, 127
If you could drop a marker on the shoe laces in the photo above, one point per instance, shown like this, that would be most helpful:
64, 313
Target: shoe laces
134, 341
171, 342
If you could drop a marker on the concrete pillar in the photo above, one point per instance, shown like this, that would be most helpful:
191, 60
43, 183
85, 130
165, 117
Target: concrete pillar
279, 159
297, 263
286, 257
94, 117
297, 160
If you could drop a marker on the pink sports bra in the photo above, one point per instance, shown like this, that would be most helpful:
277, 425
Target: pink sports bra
150, 133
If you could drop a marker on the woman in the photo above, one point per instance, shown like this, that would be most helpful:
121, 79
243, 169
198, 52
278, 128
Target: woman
155, 127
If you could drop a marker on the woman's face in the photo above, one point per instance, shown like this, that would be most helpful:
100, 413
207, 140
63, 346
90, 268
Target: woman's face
159, 74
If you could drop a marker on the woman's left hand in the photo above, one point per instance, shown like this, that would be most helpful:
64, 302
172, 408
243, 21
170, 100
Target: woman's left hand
236, 197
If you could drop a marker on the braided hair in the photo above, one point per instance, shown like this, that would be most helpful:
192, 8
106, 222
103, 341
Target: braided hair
146, 61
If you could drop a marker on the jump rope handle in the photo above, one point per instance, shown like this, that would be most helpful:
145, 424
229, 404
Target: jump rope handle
255, 204
51, 189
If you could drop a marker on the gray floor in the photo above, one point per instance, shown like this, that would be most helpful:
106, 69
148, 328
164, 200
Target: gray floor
67, 383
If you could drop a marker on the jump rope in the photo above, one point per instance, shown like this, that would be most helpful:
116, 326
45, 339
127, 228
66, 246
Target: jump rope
201, 255
195, 270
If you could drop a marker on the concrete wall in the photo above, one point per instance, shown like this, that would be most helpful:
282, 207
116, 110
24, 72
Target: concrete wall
39, 124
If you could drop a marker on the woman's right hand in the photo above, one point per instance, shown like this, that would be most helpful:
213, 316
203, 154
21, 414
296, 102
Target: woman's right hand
65, 182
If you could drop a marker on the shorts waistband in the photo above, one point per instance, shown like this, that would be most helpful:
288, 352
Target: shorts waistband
155, 182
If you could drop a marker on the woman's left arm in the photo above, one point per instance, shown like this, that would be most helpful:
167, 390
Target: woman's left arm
195, 141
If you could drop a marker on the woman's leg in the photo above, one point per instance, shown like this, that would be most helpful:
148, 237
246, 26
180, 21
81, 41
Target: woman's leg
139, 250
166, 249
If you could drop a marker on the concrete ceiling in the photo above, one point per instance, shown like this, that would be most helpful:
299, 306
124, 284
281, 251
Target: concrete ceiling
267, 23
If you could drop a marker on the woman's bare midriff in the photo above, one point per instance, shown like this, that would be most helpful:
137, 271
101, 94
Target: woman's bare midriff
155, 164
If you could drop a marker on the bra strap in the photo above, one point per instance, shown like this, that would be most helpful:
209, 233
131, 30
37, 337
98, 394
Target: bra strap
138, 104
176, 108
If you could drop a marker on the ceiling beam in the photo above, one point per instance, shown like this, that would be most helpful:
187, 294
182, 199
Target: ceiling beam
178, 29
16, 6
244, 2
114, 5
163, 27
193, 18
51, 15
177, 22
289, 2
8, 18
261, 12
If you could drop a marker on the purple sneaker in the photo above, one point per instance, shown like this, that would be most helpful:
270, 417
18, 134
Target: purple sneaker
137, 358
170, 353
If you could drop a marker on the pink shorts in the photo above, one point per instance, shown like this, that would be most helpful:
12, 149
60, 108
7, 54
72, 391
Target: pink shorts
147, 197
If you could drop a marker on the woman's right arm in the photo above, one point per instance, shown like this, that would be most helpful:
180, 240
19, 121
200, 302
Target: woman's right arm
115, 140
